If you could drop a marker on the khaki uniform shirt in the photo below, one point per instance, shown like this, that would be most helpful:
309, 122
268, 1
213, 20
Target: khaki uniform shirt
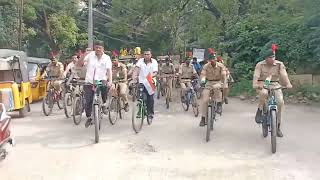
213, 73
186, 72
55, 70
277, 72
119, 72
167, 69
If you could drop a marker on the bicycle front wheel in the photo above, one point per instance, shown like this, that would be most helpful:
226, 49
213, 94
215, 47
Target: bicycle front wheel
167, 98
67, 105
137, 117
113, 110
77, 110
209, 121
195, 106
184, 102
96, 119
47, 104
273, 126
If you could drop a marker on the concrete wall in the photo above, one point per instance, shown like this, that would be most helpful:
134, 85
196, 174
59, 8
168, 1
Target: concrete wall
305, 79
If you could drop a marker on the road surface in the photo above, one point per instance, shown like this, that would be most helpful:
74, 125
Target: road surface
173, 147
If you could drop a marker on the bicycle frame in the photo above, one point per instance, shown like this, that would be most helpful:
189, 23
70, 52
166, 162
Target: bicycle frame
142, 101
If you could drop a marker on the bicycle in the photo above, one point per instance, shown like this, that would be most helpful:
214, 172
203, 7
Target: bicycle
78, 102
211, 115
160, 89
115, 105
167, 90
190, 98
133, 91
142, 111
53, 96
269, 118
68, 97
97, 107
196, 87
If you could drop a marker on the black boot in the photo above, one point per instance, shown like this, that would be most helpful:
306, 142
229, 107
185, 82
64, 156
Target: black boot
226, 101
88, 122
202, 122
258, 117
126, 107
279, 132
219, 108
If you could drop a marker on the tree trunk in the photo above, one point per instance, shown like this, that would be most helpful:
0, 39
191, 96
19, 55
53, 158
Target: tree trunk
213, 9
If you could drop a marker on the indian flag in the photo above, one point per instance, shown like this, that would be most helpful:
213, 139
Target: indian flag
149, 85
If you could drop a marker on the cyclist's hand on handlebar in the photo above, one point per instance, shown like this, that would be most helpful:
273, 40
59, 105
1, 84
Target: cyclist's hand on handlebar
260, 86
289, 86
203, 83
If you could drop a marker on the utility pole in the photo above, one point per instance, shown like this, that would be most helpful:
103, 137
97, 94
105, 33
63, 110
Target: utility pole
90, 26
20, 11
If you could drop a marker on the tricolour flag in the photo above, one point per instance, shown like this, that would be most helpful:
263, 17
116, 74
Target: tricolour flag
149, 85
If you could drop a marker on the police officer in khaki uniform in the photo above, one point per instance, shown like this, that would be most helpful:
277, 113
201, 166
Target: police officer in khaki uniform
225, 91
119, 73
273, 70
167, 73
55, 70
213, 77
186, 72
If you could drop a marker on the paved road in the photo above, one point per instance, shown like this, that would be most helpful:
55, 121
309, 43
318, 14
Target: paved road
173, 147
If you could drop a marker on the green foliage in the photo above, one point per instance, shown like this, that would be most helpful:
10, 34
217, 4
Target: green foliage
8, 24
242, 87
63, 30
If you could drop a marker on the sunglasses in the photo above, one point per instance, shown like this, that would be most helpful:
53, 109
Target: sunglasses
147, 54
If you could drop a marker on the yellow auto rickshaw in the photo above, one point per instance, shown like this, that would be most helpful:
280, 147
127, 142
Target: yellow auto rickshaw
15, 88
36, 67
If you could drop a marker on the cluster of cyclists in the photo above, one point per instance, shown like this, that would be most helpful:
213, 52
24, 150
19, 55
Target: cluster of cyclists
210, 81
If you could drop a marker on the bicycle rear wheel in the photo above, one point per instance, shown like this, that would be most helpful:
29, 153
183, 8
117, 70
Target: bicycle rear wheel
77, 111
96, 119
67, 105
273, 122
113, 110
137, 117
209, 121
47, 104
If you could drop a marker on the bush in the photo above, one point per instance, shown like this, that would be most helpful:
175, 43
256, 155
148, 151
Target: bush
308, 91
242, 87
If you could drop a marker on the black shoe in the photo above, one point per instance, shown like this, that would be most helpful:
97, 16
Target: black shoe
104, 108
258, 117
88, 122
151, 116
219, 108
202, 122
183, 99
279, 132
126, 107
226, 101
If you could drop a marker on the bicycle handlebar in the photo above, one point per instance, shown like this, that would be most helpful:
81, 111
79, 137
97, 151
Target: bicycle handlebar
267, 88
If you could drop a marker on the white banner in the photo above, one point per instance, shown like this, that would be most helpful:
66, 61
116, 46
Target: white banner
199, 54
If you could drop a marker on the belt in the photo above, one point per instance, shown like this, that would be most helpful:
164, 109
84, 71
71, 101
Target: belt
270, 81
215, 80
167, 73
185, 78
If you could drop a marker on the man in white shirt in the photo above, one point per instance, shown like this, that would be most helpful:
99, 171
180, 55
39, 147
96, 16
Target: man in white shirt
70, 67
147, 68
99, 67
